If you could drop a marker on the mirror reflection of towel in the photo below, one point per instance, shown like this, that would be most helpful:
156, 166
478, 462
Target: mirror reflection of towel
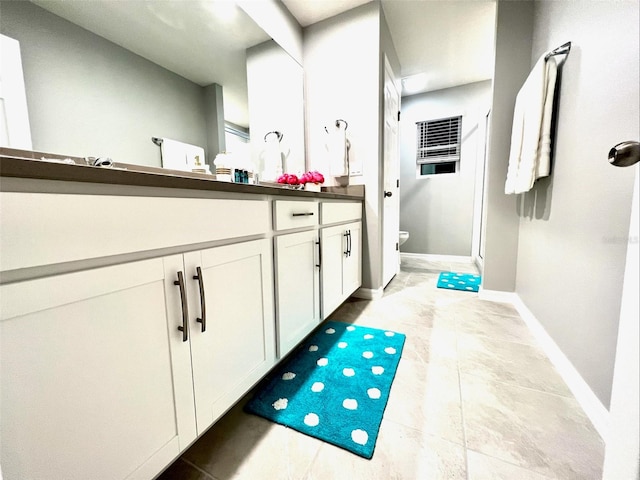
272, 158
338, 150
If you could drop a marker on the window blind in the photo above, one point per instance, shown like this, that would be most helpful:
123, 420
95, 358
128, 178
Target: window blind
439, 140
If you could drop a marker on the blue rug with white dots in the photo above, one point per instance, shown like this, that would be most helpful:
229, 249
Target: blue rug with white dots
335, 386
467, 282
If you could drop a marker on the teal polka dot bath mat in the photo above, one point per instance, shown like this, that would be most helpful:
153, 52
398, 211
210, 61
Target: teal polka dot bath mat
335, 386
467, 282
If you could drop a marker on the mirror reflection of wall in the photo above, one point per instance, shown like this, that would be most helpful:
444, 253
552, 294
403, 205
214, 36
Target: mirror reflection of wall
275, 82
89, 94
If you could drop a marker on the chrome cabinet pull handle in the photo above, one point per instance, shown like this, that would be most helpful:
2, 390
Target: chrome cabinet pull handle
349, 240
305, 214
185, 309
202, 320
346, 235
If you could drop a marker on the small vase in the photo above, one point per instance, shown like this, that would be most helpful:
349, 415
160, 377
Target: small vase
313, 187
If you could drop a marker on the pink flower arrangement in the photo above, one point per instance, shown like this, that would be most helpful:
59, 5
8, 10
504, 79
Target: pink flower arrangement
312, 177
308, 177
289, 179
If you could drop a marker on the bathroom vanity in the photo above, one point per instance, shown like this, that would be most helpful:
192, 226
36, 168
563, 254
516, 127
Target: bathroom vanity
138, 305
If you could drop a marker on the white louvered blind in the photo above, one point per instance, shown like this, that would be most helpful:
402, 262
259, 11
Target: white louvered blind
439, 140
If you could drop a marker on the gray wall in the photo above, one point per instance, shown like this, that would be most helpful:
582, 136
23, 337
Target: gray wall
342, 62
438, 211
514, 30
574, 225
88, 96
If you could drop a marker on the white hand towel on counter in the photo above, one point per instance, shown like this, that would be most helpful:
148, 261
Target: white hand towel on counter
180, 156
337, 150
530, 153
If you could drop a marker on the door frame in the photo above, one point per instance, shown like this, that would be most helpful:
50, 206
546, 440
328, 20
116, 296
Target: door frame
387, 273
622, 445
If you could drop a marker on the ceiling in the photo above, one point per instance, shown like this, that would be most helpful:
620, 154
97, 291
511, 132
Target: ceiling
440, 43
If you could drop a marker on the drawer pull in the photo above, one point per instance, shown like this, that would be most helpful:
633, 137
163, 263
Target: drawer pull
202, 320
306, 214
185, 309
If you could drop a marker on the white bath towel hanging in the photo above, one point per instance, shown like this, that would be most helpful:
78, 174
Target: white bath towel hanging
338, 149
530, 153
272, 157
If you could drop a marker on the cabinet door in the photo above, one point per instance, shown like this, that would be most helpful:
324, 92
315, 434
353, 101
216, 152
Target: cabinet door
297, 287
352, 263
333, 243
237, 346
95, 379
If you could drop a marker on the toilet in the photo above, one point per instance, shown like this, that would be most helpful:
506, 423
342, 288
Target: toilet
404, 236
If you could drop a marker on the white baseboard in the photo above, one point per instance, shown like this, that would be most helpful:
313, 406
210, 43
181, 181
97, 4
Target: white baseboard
497, 296
368, 293
439, 258
590, 403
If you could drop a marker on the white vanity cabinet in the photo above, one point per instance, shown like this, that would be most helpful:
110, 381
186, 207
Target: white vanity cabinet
341, 247
95, 379
130, 324
297, 273
232, 335
106, 372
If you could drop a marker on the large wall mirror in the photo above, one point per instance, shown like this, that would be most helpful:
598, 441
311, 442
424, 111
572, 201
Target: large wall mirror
103, 78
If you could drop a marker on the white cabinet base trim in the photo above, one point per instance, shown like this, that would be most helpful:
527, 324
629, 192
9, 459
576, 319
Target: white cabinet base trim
369, 293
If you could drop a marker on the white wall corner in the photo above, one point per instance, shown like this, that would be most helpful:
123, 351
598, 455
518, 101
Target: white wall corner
590, 403
369, 293
275, 19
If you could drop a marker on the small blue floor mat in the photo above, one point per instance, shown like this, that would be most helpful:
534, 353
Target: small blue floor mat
467, 282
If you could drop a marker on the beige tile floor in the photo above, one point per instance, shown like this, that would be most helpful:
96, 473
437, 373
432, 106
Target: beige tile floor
474, 398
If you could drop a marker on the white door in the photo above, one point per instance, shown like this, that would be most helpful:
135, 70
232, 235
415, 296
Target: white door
96, 381
622, 449
235, 345
297, 288
390, 183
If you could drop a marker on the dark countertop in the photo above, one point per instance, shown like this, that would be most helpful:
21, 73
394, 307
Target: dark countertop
28, 164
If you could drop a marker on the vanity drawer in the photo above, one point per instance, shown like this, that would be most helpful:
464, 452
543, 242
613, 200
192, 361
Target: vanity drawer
291, 214
336, 212
43, 229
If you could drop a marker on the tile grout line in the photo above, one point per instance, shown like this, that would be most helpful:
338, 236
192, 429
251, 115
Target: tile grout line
464, 429
510, 463
196, 467
309, 471
515, 385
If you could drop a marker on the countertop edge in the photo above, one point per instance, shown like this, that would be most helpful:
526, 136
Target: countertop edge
45, 170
